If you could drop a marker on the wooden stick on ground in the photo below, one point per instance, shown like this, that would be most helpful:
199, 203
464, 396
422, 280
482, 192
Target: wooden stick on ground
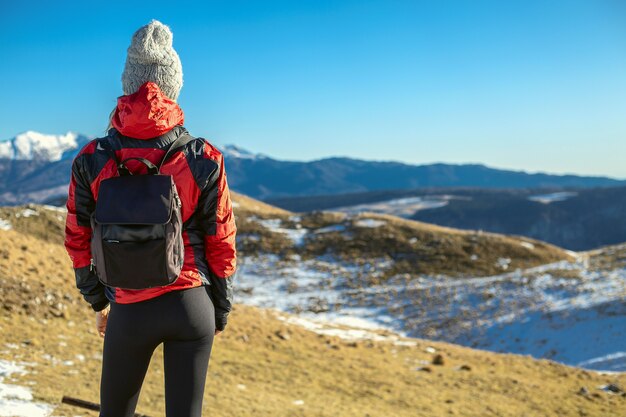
87, 404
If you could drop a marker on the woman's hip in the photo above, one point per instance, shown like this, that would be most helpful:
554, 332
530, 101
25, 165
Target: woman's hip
184, 314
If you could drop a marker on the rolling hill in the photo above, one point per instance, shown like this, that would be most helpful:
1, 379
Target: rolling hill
274, 363
577, 219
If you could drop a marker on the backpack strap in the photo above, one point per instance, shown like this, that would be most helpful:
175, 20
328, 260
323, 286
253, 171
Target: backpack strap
180, 142
105, 145
152, 169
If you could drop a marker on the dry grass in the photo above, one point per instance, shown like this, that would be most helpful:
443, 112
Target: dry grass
256, 372
574, 274
253, 372
46, 224
411, 247
246, 206
421, 248
608, 257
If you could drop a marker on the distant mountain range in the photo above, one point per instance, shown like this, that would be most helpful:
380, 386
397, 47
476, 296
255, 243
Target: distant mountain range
35, 167
580, 220
266, 178
574, 218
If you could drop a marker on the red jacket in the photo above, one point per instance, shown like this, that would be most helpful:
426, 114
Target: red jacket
145, 123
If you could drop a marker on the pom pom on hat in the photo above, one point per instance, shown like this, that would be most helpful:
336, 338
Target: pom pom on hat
151, 57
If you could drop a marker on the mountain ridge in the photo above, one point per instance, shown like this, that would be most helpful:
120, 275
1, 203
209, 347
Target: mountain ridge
40, 170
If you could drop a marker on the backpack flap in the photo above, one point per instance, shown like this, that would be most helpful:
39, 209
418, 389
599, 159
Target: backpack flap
135, 199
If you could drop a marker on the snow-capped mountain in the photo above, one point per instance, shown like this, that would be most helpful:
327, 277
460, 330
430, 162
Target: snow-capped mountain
31, 145
234, 151
35, 167
37, 146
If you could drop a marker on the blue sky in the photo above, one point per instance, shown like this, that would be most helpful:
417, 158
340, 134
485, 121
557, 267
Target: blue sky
526, 85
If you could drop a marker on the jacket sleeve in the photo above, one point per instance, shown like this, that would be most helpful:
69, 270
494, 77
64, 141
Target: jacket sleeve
80, 204
219, 240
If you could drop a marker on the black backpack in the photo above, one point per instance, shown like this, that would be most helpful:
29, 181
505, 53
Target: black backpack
137, 225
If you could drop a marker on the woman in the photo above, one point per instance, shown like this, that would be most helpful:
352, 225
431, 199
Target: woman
186, 314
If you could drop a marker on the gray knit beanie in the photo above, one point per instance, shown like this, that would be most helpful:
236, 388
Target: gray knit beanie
151, 57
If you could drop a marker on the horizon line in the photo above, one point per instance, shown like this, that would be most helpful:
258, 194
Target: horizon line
467, 163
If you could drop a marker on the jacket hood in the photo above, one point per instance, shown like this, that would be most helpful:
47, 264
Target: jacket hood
146, 113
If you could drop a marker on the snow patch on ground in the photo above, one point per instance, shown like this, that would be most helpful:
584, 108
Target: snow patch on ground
590, 337
605, 362
331, 228
503, 263
16, 401
27, 213
346, 328
5, 225
369, 223
297, 235
552, 197
534, 311
403, 207
55, 208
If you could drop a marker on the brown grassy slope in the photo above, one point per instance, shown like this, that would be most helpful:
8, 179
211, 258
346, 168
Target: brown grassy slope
256, 371
423, 248
412, 247
608, 257
245, 206
46, 224
415, 247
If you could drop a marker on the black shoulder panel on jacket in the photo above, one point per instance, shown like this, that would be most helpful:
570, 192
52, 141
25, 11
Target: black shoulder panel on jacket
93, 163
202, 168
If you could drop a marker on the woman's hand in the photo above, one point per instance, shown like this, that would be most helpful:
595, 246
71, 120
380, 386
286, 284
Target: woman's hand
101, 320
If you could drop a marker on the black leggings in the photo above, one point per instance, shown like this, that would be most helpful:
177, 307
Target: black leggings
184, 321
